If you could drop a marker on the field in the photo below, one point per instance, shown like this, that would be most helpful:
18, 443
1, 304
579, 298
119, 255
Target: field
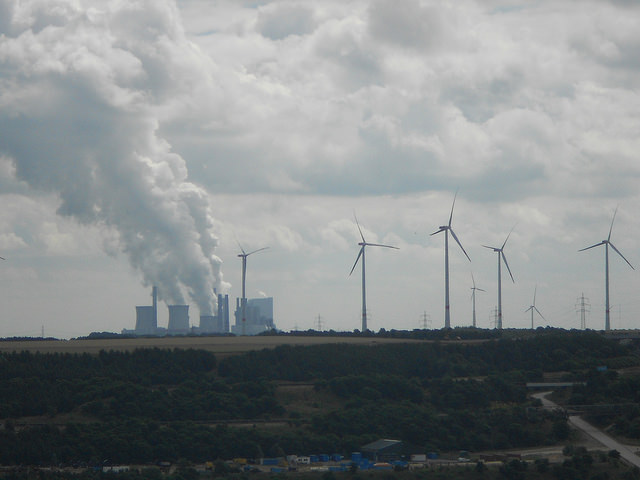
220, 345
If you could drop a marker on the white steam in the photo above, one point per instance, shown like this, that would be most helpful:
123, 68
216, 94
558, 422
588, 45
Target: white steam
82, 85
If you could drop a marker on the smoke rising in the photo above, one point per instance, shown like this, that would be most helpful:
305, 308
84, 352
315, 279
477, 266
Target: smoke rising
82, 86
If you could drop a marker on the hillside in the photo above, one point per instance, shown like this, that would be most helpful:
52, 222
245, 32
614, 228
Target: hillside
152, 404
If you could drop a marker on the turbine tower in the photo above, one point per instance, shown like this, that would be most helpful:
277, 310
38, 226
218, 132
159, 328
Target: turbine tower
607, 243
501, 257
473, 298
244, 256
534, 308
363, 245
446, 229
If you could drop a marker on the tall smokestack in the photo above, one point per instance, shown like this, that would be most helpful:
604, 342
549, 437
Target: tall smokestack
154, 295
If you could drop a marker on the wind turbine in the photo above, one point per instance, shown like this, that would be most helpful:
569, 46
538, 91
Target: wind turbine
446, 229
244, 256
607, 243
473, 298
364, 244
534, 308
501, 257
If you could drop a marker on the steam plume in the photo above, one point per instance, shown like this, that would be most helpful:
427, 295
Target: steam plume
82, 85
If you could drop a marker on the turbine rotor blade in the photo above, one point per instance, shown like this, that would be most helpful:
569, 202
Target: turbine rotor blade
507, 265
534, 295
452, 205
506, 239
442, 229
495, 249
473, 280
480, 290
357, 258
455, 237
618, 252
592, 246
539, 312
381, 245
612, 220
359, 229
256, 251
241, 249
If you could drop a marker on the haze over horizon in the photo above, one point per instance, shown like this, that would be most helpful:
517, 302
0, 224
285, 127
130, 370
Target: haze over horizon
139, 141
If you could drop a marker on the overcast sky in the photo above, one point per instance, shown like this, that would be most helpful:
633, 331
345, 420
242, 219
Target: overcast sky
141, 140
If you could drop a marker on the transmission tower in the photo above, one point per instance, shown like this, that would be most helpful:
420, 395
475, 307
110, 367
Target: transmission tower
425, 321
319, 323
583, 307
495, 317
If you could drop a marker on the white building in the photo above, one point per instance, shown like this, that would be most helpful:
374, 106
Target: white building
258, 314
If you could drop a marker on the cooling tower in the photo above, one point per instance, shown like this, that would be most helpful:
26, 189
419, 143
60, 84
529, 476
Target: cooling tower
145, 321
178, 319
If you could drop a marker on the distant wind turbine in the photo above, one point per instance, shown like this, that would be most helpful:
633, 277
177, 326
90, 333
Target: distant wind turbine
501, 257
364, 244
607, 243
473, 298
244, 256
446, 229
533, 308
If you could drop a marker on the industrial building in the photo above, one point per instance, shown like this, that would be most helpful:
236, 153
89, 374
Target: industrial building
383, 450
147, 319
258, 313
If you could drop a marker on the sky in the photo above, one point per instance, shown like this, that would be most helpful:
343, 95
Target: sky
144, 142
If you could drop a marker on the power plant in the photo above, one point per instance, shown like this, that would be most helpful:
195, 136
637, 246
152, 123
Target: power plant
256, 316
258, 313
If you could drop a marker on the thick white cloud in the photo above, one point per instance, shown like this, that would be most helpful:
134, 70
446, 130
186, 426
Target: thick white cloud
280, 118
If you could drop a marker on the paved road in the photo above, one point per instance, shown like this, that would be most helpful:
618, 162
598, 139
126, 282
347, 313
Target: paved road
593, 432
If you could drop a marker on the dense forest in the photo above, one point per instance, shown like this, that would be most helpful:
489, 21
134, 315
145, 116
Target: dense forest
155, 405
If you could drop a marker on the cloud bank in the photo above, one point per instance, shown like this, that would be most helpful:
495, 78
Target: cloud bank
282, 117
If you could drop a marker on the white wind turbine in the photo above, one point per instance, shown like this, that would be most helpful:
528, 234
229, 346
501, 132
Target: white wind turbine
533, 307
364, 244
446, 229
501, 257
473, 298
607, 243
244, 256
